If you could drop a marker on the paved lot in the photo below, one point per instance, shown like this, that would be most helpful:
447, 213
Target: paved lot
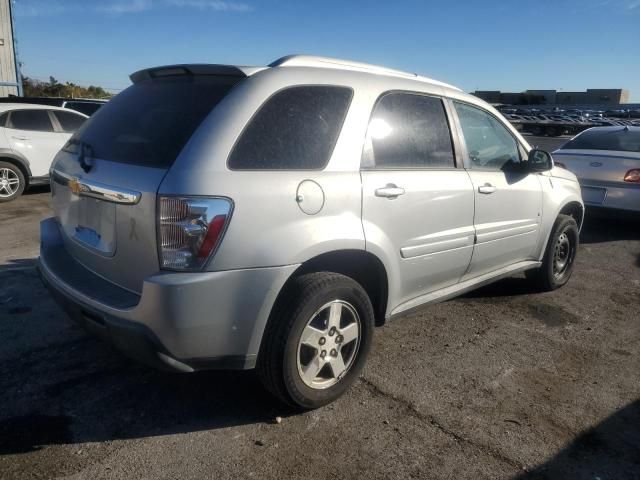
504, 382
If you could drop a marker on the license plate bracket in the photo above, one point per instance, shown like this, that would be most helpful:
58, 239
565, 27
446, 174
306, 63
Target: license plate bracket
594, 195
92, 223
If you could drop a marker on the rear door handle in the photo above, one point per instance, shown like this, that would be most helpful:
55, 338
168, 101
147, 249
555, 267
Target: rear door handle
390, 191
486, 188
19, 138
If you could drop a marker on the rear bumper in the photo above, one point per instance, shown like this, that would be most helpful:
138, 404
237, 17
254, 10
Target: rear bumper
617, 196
181, 321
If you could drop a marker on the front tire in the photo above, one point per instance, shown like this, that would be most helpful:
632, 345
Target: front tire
559, 256
317, 340
12, 182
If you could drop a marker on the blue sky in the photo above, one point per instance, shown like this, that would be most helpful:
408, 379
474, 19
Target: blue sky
510, 45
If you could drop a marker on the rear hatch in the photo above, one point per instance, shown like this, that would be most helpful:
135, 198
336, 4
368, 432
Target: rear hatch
104, 181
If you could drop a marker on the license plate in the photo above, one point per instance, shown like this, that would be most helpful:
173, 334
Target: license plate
594, 195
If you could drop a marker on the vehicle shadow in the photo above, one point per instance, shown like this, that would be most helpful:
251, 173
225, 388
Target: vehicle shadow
19, 264
602, 226
507, 287
36, 189
611, 449
59, 385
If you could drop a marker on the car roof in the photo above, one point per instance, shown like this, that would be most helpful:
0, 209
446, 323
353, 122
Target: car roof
4, 107
630, 128
306, 61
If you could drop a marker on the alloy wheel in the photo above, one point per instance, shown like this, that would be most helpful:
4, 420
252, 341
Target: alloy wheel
329, 344
9, 182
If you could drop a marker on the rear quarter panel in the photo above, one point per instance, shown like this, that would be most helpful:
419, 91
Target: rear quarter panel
268, 227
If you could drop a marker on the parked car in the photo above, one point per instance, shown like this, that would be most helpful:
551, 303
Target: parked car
87, 106
606, 161
217, 216
30, 137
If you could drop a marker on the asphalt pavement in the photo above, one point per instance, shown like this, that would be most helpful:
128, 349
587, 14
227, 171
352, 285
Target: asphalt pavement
504, 382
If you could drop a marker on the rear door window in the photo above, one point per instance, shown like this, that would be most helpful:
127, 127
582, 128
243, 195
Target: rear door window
34, 120
296, 129
408, 130
70, 122
150, 122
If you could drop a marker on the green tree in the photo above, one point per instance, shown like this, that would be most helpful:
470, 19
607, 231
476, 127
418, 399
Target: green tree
53, 88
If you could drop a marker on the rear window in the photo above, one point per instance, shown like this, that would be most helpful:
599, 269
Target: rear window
150, 122
88, 108
621, 140
296, 129
36, 120
70, 122
408, 130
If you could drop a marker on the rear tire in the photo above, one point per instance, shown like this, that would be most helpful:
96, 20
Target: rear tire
12, 182
559, 256
317, 340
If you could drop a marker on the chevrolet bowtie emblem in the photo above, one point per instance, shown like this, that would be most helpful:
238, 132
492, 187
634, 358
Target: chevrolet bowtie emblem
75, 186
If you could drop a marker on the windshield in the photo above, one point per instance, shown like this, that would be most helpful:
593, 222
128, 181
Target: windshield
623, 140
150, 122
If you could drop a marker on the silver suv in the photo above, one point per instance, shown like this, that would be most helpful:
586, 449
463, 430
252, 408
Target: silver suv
216, 216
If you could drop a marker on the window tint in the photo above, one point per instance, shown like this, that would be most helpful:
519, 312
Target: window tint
489, 144
295, 129
621, 139
70, 122
88, 108
408, 131
149, 122
31, 120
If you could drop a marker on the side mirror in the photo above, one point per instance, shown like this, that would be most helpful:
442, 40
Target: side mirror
539, 161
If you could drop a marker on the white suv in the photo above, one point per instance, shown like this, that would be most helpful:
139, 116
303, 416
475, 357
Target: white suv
30, 137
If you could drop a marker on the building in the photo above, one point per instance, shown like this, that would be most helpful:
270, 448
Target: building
547, 97
593, 96
10, 79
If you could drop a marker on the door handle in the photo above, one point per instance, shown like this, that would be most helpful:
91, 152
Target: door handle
390, 191
19, 138
486, 188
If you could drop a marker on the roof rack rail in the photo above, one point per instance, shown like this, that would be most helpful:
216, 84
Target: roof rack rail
327, 62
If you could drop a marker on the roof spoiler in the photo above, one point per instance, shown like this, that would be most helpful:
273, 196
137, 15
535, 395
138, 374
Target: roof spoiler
177, 70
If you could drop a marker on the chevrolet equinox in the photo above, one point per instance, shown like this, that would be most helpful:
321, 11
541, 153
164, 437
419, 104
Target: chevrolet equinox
219, 216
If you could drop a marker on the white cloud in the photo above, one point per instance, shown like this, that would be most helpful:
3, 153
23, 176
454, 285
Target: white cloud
218, 5
633, 4
624, 4
38, 8
125, 6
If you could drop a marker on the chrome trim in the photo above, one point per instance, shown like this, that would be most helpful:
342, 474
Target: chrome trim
101, 191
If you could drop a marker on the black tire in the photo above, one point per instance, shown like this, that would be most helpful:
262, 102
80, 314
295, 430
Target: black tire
279, 358
14, 172
549, 276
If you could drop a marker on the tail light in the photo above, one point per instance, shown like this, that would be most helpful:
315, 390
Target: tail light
560, 164
632, 176
190, 230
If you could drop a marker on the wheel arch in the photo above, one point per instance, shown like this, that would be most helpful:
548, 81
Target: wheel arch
574, 209
18, 162
362, 266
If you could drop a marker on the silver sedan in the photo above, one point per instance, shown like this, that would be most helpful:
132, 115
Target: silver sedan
606, 161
